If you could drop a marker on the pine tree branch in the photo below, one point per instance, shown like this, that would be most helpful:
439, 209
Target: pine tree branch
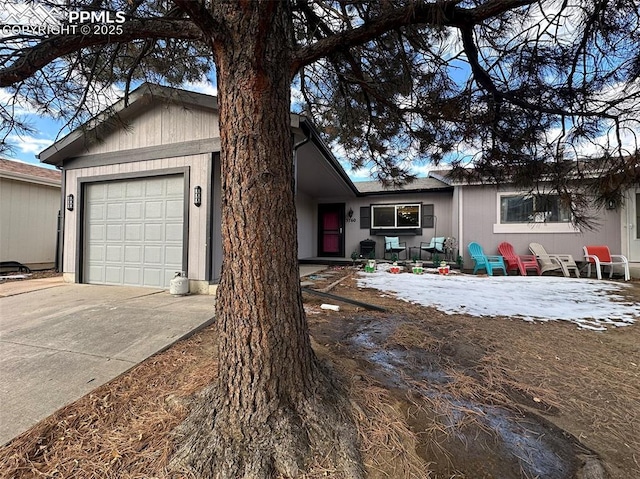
445, 13
29, 60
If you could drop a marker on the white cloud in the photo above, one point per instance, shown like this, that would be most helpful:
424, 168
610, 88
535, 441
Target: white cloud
203, 86
27, 144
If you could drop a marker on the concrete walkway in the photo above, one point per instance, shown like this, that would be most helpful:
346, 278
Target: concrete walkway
59, 341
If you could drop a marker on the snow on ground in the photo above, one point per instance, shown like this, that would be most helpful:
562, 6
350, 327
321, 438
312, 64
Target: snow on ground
589, 303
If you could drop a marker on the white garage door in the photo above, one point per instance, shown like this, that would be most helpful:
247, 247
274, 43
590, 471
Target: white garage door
134, 231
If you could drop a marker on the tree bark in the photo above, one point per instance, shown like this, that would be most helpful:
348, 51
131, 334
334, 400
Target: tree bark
273, 407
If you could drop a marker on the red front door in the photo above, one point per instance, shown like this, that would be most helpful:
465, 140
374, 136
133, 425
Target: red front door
331, 230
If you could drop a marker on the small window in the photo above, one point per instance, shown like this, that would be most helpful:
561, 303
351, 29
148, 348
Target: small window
533, 209
395, 216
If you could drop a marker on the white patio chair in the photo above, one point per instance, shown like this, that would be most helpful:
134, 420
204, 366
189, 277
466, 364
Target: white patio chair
551, 262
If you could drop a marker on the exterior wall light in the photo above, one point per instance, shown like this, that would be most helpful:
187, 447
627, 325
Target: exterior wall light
70, 202
197, 196
350, 213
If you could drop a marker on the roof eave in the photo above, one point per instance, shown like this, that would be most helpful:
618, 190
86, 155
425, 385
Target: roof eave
312, 132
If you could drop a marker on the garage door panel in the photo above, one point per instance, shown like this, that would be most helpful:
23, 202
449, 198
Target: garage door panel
97, 272
153, 232
96, 253
133, 254
153, 209
114, 253
174, 189
98, 212
96, 192
97, 232
115, 190
153, 277
114, 232
153, 254
133, 210
132, 276
113, 274
173, 255
155, 189
134, 189
134, 231
174, 210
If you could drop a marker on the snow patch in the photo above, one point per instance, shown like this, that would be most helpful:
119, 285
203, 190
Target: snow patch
590, 304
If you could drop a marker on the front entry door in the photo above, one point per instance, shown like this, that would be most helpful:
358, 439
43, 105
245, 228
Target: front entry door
331, 230
634, 226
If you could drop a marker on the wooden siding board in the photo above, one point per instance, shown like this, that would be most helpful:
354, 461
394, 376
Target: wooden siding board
160, 125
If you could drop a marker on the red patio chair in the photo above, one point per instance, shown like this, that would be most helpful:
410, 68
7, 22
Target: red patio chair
521, 262
601, 256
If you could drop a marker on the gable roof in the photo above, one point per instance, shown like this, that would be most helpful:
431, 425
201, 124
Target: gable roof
16, 170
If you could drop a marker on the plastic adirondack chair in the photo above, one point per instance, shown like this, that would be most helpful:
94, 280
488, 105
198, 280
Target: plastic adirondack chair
601, 256
393, 246
436, 245
521, 263
483, 261
553, 262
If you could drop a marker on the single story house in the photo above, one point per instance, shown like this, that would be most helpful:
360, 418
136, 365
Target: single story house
29, 205
142, 200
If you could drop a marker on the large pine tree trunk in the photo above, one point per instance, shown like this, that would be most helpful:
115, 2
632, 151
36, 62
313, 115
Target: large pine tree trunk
273, 406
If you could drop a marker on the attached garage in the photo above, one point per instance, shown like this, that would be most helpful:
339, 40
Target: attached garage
134, 231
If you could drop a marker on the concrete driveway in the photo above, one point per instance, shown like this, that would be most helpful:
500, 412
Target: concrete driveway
59, 341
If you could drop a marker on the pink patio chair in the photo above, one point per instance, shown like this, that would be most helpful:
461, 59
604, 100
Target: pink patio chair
601, 256
522, 262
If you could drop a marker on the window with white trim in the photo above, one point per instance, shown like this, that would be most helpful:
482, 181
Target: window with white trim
533, 209
526, 213
396, 216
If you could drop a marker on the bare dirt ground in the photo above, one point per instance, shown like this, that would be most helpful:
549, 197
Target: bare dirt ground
434, 395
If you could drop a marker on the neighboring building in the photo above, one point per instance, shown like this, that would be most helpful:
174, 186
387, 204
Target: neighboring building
146, 199
29, 205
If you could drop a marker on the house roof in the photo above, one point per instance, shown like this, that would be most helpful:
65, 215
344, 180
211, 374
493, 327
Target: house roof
16, 170
419, 185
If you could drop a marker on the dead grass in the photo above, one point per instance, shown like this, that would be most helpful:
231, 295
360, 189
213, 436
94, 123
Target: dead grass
122, 429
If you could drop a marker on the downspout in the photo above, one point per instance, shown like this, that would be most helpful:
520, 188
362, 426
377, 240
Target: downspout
461, 248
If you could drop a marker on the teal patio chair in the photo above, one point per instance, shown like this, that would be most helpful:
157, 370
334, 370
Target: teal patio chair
435, 246
392, 245
483, 261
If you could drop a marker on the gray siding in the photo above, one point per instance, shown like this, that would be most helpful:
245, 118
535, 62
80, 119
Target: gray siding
479, 214
162, 124
306, 210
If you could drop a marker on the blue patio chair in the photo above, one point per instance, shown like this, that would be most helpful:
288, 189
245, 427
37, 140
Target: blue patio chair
392, 245
483, 261
436, 245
